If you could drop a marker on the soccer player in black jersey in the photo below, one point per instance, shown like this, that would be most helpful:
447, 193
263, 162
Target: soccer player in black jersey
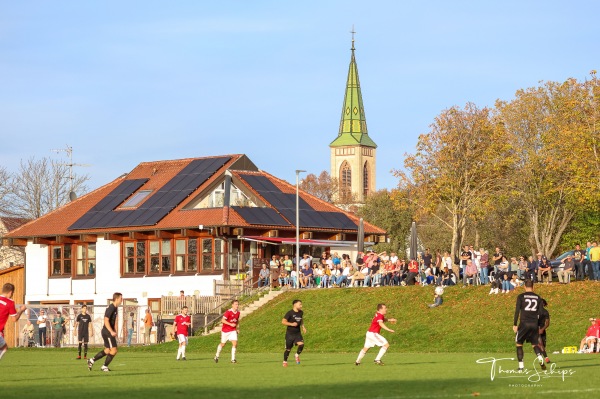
83, 331
109, 334
293, 336
544, 323
528, 310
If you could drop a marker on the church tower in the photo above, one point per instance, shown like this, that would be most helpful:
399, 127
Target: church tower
353, 151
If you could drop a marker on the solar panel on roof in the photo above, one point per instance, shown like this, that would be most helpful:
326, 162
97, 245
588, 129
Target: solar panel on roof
263, 216
157, 206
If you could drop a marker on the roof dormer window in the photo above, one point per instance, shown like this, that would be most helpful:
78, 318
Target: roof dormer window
136, 198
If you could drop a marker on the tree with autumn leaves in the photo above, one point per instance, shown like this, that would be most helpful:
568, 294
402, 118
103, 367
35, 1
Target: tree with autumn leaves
537, 156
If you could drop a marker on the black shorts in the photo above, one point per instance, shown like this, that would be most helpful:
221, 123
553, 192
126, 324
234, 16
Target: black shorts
292, 339
109, 340
83, 337
529, 333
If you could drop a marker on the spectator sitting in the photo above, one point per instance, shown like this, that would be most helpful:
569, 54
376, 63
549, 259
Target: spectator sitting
534, 267
566, 271
283, 277
515, 282
544, 269
263, 276
359, 275
306, 275
335, 273
514, 265
437, 298
429, 277
413, 272
346, 272
506, 284
294, 278
318, 273
523, 267
446, 279
471, 271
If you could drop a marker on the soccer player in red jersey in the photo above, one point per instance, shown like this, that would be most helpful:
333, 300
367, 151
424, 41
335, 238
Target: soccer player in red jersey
373, 338
229, 331
7, 309
181, 324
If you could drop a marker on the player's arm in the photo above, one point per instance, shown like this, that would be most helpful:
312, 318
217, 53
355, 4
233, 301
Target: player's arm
382, 325
517, 310
17, 314
286, 322
225, 321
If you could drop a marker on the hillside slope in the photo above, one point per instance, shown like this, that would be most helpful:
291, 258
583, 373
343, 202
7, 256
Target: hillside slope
470, 320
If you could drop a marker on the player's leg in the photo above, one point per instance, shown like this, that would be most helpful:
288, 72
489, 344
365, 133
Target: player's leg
369, 343
289, 344
85, 346
361, 354
383, 343
233, 350
80, 340
3, 346
224, 339
520, 355
112, 352
105, 351
299, 351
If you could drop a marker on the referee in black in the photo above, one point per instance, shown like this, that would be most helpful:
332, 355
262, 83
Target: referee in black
528, 310
294, 320
109, 334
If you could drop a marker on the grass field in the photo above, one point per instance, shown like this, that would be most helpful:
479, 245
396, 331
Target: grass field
433, 353
54, 373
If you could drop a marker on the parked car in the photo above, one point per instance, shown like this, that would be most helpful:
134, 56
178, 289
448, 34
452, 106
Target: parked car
557, 262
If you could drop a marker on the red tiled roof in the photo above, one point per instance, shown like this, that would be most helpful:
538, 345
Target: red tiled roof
11, 223
158, 174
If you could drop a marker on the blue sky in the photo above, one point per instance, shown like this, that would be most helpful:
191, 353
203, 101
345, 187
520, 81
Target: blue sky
124, 82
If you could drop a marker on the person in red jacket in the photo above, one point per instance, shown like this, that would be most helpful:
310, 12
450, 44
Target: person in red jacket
591, 337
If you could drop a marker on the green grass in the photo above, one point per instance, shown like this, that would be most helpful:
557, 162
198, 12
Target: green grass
50, 373
433, 352
470, 320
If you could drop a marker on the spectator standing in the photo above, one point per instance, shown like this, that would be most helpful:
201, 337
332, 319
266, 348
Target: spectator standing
465, 255
497, 258
148, 323
587, 262
130, 326
595, 259
446, 262
41, 322
484, 266
578, 258
534, 267
427, 259
287, 263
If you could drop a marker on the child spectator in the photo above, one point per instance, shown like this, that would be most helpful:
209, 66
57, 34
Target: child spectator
437, 298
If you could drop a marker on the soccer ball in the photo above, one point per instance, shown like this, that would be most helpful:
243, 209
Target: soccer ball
439, 291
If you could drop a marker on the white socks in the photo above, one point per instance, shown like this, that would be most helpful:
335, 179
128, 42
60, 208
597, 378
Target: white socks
2, 352
361, 354
381, 353
219, 347
521, 365
233, 353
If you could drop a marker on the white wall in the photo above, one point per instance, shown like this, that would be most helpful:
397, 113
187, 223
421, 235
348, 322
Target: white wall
108, 279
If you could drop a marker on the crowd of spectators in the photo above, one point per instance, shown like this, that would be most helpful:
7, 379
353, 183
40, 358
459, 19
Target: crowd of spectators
471, 267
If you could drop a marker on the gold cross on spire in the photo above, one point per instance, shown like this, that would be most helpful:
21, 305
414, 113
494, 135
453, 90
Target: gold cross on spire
353, 32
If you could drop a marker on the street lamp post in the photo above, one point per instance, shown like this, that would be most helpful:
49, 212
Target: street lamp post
298, 226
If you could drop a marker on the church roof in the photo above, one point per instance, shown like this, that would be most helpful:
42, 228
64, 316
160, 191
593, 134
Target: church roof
353, 123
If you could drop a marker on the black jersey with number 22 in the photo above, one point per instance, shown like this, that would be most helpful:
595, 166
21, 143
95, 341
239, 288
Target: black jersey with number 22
528, 309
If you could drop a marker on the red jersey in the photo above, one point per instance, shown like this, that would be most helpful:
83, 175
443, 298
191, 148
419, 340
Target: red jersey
231, 317
183, 322
413, 266
375, 327
593, 331
7, 308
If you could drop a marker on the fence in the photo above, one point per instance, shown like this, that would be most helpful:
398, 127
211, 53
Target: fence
171, 305
69, 337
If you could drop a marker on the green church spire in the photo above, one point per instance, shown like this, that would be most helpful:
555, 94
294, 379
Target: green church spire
353, 124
